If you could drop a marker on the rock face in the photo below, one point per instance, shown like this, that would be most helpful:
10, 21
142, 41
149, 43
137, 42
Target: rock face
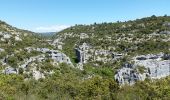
82, 53
86, 53
127, 75
158, 65
145, 66
54, 54
60, 57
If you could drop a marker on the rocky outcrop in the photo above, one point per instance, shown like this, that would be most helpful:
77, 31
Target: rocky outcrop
86, 53
82, 53
7, 36
128, 75
53, 54
57, 56
158, 65
145, 66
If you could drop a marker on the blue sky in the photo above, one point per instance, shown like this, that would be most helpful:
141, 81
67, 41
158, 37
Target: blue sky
54, 15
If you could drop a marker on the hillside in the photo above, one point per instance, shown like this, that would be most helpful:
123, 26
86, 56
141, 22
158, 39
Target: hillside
21, 49
109, 35
126, 51
131, 38
118, 61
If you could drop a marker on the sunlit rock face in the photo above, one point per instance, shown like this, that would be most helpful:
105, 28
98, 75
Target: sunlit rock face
145, 66
129, 75
158, 65
54, 54
82, 53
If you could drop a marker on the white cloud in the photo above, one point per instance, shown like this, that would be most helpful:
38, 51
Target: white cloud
54, 28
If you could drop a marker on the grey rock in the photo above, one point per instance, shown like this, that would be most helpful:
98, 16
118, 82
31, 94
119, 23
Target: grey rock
10, 70
155, 67
82, 53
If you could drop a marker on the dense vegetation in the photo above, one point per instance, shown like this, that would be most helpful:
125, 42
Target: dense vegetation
67, 83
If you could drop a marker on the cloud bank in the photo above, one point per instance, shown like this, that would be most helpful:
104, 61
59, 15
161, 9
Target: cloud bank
54, 28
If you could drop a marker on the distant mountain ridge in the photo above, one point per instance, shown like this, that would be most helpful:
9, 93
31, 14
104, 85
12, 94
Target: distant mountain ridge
47, 33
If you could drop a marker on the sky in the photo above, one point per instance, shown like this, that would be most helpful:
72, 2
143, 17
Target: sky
55, 15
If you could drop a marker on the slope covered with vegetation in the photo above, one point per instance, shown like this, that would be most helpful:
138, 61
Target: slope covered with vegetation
141, 36
121, 35
131, 38
70, 85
